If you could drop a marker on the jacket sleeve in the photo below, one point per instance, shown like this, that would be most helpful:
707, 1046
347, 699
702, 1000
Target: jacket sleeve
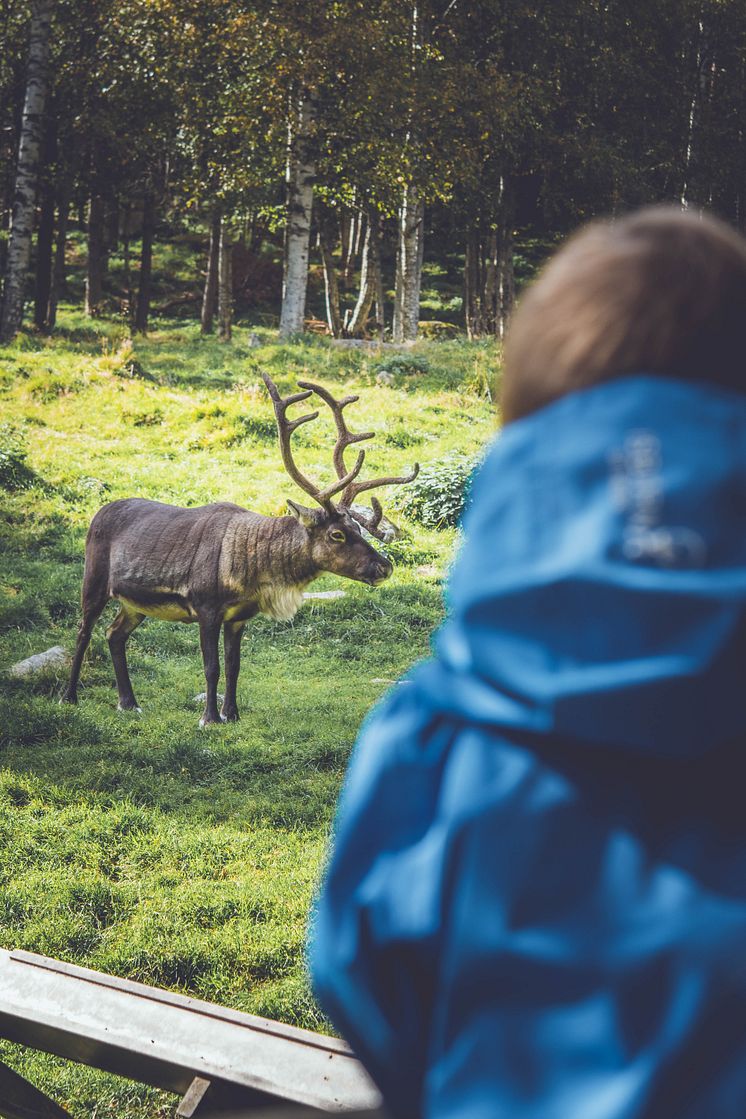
373, 932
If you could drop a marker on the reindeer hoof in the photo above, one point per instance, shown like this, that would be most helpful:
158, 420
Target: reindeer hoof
67, 698
211, 722
133, 708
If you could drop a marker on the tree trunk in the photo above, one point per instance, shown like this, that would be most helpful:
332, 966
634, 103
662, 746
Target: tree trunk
209, 294
126, 263
346, 233
22, 221
353, 246
505, 293
58, 272
225, 284
94, 280
409, 266
369, 277
331, 284
473, 285
698, 88
256, 235
146, 265
111, 226
489, 289
380, 307
45, 239
299, 181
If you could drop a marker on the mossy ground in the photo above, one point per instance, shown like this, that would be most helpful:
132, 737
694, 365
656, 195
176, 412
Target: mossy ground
140, 844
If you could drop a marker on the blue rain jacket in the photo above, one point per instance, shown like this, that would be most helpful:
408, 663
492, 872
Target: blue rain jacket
535, 905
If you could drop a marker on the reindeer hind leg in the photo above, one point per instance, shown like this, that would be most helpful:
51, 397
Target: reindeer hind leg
94, 598
126, 621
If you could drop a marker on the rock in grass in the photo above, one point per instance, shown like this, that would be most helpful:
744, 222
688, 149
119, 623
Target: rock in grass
324, 594
56, 657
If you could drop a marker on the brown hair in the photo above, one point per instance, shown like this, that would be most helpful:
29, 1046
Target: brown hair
659, 291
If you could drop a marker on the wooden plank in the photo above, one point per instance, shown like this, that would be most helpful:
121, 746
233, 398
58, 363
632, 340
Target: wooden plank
291, 1113
165, 1039
196, 1093
21, 1100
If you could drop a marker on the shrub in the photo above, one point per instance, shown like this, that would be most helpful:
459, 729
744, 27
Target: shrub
253, 428
402, 365
436, 331
402, 437
437, 496
15, 474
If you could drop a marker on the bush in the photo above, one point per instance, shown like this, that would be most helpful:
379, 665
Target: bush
402, 365
435, 331
254, 428
15, 474
402, 437
437, 496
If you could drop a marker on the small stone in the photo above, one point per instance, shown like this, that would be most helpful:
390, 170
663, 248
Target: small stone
384, 378
428, 569
254, 341
56, 657
202, 698
324, 594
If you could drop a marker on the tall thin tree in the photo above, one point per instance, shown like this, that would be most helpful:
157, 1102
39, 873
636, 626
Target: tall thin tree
27, 170
300, 176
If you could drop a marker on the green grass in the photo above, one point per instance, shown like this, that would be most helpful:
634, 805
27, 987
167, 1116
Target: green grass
140, 844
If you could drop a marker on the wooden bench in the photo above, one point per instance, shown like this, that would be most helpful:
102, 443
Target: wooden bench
216, 1059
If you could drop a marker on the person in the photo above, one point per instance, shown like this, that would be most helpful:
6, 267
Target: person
535, 902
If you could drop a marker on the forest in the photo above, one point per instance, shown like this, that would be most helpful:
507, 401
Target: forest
317, 156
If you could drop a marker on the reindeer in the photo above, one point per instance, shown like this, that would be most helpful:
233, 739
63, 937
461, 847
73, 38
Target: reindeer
220, 565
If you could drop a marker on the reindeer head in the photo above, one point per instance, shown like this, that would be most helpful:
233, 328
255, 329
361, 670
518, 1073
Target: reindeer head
336, 541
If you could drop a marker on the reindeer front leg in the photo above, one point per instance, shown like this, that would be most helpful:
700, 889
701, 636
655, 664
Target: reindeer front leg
232, 632
209, 632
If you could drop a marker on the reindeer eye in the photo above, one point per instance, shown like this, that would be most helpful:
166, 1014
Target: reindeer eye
337, 535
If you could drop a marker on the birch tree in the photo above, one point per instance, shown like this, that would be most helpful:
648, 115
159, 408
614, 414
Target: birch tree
22, 220
225, 283
409, 256
370, 280
299, 180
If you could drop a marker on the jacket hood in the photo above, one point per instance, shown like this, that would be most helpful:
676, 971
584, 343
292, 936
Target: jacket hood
600, 594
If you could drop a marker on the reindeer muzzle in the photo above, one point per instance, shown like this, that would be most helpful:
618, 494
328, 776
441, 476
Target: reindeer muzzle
380, 572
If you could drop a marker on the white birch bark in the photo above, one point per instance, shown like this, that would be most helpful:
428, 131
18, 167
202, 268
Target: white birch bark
409, 266
225, 284
331, 284
27, 171
369, 275
299, 180
698, 92
211, 276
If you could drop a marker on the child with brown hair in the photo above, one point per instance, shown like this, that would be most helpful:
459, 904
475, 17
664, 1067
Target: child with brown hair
535, 906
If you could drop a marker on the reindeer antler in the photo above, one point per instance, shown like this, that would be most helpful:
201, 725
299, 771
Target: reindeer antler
344, 439
285, 429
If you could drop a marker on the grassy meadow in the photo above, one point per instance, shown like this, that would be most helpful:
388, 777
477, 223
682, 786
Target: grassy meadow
140, 844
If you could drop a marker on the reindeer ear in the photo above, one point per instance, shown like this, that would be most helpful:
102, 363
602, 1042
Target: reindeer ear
307, 517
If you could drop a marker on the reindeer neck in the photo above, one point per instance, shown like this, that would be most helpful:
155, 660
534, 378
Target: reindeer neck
292, 562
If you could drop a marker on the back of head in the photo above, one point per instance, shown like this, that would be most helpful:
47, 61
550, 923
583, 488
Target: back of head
659, 291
